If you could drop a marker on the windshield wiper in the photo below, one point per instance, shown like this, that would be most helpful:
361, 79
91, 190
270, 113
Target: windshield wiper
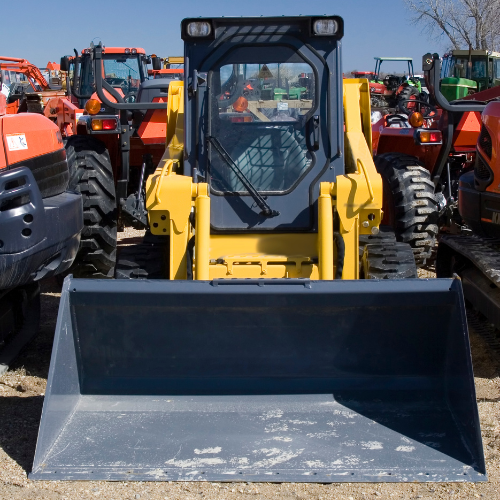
267, 211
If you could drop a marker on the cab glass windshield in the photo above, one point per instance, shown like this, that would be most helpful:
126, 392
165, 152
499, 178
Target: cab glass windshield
123, 72
459, 68
119, 70
258, 119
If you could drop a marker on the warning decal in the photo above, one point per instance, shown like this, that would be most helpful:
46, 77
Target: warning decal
265, 72
16, 142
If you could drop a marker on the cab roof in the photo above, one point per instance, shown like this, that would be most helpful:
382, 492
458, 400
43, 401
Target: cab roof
393, 59
120, 50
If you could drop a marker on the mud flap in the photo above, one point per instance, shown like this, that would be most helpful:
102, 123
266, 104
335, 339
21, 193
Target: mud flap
261, 380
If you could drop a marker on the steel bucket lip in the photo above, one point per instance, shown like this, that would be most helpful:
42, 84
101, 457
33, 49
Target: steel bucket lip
65, 340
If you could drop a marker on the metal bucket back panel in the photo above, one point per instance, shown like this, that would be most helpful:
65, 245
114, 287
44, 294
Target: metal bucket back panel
287, 381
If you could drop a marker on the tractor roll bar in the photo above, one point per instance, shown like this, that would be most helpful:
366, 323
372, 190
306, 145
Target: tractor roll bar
102, 85
431, 66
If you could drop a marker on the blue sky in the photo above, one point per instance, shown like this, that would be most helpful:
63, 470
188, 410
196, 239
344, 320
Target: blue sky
45, 31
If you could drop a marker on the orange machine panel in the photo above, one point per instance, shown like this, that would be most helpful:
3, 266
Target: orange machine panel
491, 120
153, 129
467, 131
27, 135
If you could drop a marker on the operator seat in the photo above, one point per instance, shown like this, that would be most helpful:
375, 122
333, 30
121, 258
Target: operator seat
271, 158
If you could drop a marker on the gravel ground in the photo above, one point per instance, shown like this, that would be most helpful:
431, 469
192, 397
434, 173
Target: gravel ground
21, 398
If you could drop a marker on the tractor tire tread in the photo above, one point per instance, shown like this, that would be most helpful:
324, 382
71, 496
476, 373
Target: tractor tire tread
414, 202
91, 174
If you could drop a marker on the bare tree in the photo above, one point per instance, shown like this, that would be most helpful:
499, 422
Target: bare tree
465, 23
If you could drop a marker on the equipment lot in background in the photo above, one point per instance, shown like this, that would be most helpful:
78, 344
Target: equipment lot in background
21, 400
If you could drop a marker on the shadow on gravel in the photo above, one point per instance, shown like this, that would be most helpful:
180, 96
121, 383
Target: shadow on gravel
19, 420
130, 241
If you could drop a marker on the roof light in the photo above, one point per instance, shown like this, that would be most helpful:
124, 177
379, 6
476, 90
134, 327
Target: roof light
134, 51
93, 106
127, 51
240, 105
325, 27
416, 119
199, 29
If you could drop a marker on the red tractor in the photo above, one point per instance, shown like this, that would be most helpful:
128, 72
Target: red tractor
388, 91
111, 149
421, 151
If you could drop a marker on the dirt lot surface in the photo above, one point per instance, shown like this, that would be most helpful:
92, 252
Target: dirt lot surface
21, 398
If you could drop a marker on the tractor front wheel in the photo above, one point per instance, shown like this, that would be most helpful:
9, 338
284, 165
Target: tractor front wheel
410, 206
91, 174
408, 93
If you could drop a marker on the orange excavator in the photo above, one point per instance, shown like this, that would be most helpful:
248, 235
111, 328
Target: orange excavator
40, 221
474, 254
24, 86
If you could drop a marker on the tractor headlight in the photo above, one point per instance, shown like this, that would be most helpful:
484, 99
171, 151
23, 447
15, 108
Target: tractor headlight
325, 27
199, 29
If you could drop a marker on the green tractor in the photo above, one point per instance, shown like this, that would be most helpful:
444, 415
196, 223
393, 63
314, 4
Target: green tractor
465, 72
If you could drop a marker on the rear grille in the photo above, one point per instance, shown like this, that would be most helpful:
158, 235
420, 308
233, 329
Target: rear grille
50, 172
482, 170
485, 142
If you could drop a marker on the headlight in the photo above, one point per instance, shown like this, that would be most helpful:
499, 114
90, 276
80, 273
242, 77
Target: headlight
325, 27
199, 29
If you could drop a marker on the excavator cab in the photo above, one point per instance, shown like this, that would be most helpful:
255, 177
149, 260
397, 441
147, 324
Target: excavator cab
260, 355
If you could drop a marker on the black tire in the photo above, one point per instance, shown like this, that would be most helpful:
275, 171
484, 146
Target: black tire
147, 260
388, 260
91, 174
407, 93
410, 206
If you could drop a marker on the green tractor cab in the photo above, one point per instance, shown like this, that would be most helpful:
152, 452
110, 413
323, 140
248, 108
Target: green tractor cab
465, 72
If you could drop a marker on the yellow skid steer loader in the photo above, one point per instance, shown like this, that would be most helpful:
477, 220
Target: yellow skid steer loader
259, 354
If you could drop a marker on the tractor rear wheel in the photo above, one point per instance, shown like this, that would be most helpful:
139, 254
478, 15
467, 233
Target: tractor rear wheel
410, 206
91, 174
388, 260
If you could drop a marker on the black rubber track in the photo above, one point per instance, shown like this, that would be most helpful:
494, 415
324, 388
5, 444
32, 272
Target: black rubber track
147, 260
389, 260
411, 202
386, 235
91, 174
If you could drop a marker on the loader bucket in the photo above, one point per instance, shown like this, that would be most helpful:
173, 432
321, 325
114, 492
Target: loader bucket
261, 380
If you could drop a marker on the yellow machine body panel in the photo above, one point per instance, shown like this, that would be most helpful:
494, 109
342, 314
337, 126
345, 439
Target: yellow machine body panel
355, 197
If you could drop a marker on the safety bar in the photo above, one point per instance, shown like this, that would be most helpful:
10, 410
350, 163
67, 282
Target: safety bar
101, 85
431, 65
